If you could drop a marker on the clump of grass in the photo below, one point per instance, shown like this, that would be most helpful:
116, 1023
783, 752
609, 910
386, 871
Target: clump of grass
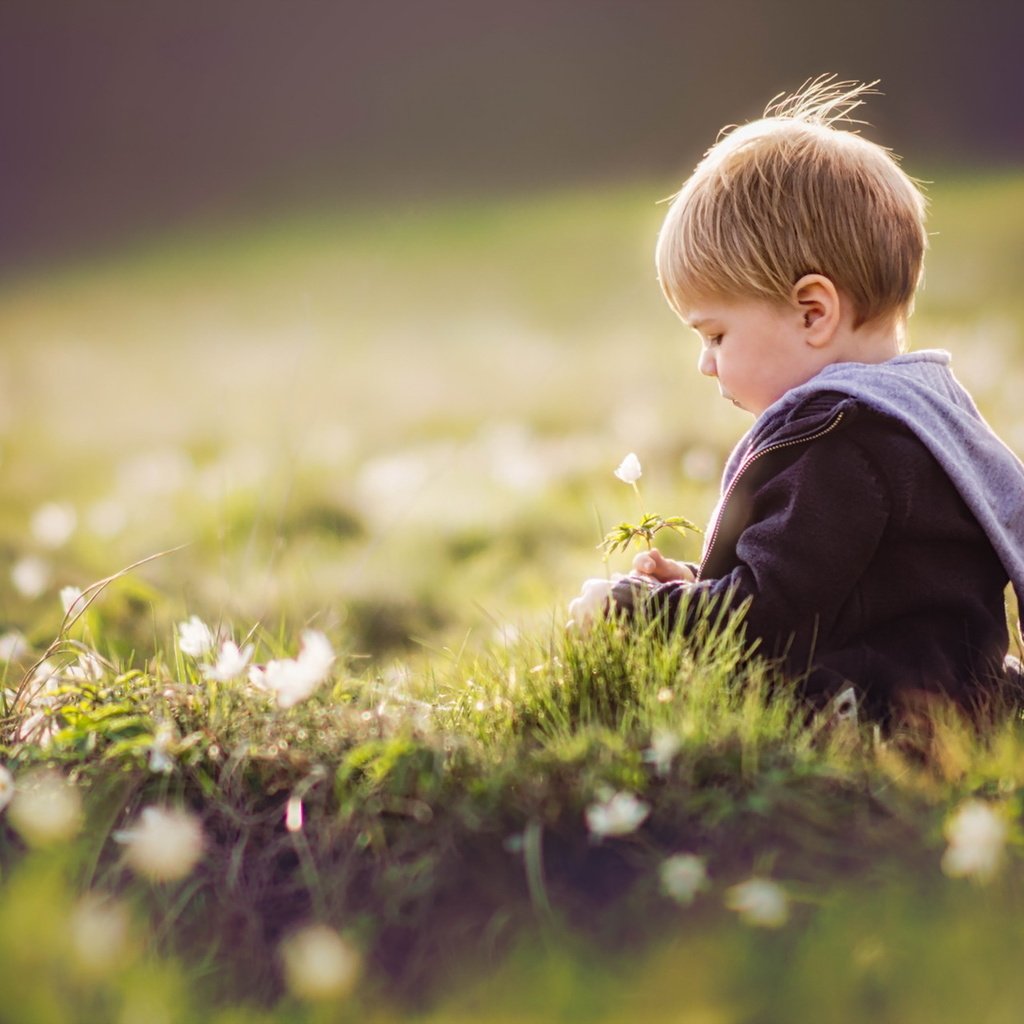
421, 813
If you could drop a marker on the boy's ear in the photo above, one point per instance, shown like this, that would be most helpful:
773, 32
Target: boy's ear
816, 299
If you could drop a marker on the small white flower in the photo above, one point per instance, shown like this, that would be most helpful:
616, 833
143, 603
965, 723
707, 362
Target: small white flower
46, 809
13, 646
616, 815
977, 837
53, 524
30, 576
164, 845
760, 902
6, 787
160, 759
99, 930
71, 600
683, 875
292, 680
316, 655
664, 746
87, 669
293, 814
231, 662
195, 637
319, 964
629, 470
591, 602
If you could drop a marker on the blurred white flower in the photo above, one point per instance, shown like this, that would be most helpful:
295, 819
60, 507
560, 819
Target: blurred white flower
53, 524
319, 964
87, 669
13, 646
293, 814
664, 746
977, 837
158, 472
683, 875
98, 931
292, 680
46, 809
160, 759
164, 845
590, 604
316, 654
618, 814
195, 637
231, 662
71, 598
760, 902
6, 787
107, 518
629, 470
30, 576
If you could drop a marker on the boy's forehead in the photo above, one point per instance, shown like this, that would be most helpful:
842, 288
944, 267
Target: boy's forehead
697, 314
698, 310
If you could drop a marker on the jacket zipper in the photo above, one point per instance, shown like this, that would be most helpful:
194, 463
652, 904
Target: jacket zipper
749, 461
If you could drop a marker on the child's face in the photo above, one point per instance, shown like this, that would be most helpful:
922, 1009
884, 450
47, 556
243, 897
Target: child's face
757, 350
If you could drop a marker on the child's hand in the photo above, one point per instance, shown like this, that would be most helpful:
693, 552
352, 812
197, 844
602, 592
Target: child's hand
654, 564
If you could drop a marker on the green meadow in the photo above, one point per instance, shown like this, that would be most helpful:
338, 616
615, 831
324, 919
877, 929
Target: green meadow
374, 450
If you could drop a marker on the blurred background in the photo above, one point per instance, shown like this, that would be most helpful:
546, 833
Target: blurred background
357, 300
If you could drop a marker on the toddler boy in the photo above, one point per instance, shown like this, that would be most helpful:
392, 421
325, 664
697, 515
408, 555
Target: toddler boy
870, 519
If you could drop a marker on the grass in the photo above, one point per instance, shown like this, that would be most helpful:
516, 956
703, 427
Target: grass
430, 800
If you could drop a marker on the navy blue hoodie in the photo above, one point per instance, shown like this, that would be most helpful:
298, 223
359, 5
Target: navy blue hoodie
870, 520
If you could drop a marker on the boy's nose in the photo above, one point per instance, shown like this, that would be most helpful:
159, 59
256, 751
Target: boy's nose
706, 363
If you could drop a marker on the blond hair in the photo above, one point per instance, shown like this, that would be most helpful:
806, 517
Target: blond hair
791, 194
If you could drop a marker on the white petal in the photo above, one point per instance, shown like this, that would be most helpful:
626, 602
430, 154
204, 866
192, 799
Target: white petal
629, 470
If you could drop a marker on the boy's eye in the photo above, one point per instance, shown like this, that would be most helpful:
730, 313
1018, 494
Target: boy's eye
714, 339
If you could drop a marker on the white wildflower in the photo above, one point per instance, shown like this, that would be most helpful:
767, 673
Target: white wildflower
617, 814
316, 655
13, 646
30, 576
195, 637
99, 930
160, 759
87, 669
46, 809
319, 964
6, 787
591, 603
760, 902
39, 696
977, 837
53, 524
72, 600
231, 662
293, 814
292, 680
164, 845
664, 746
682, 876
629, 470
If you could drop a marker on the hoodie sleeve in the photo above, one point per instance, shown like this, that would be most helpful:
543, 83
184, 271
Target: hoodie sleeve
805, 526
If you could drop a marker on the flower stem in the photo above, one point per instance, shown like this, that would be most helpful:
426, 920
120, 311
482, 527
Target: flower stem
643, 513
